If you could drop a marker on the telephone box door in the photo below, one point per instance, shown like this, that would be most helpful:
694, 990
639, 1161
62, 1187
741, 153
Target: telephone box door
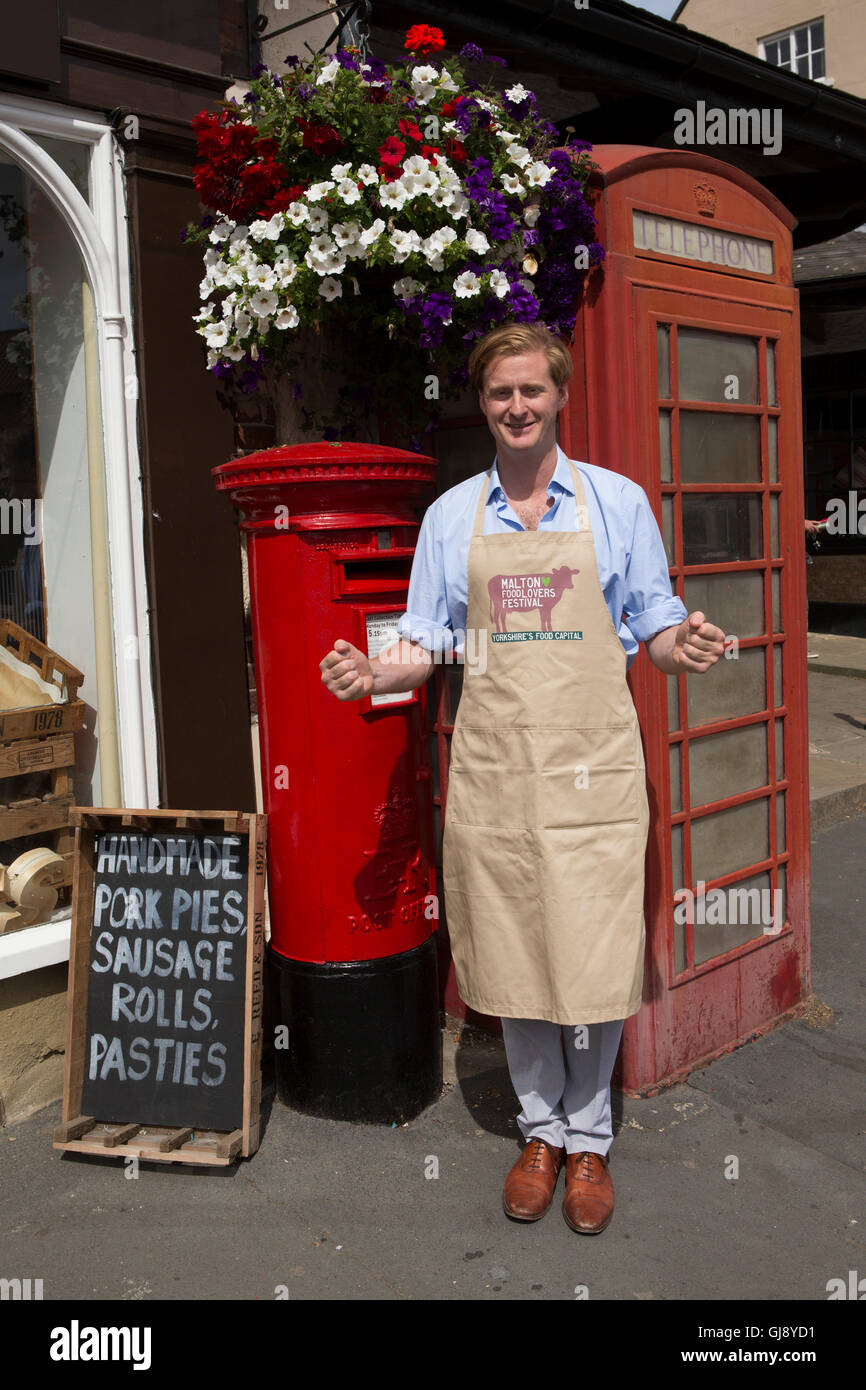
727, 907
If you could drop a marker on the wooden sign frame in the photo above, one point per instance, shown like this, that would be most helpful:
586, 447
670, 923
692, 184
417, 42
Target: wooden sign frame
163, 1143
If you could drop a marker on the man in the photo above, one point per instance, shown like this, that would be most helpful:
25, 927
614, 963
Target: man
544, 575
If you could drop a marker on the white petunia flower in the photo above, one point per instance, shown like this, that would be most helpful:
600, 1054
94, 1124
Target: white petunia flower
416, 164
467, 285
372, 233
421, 75
367, 174
206, 288
221, 231
394, 195
407, 288
506, 135
234, 353
499, 283
341, 171
404, 243
211, 256
286, 272
243, 324
511, 183
460, 206
446, 82
519, 155
344, 233
216, 335
328, 73
317, 221
262, 276
348, 191
330, 289
477, 241
426, 183
531, 214
239, 235
258, 230
517, 93
538, 174
287, 318
263, 304
318, 190
297, 213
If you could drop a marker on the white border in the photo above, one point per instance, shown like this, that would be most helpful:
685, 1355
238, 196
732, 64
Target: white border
101, 236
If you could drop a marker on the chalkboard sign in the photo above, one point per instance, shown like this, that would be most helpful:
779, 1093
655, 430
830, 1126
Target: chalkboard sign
165, 977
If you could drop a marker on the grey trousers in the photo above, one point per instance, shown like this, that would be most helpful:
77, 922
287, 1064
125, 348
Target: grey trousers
561, 1075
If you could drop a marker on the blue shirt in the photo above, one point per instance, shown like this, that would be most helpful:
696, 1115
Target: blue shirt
632, 564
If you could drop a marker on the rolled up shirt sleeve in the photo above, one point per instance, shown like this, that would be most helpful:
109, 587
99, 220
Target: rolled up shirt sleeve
426, 620
650, 605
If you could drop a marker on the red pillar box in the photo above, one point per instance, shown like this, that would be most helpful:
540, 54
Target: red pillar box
331, 531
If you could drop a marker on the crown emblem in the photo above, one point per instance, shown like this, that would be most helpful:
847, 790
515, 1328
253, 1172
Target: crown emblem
706, 198
396, 817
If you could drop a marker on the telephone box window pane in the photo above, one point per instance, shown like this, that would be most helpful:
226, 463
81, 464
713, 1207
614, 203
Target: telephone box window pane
734, 688
665, 455
663, 345
677, 876
719, 529
721, 765
746, 908
780, 749
730, 840
772, 397
781, 845
673, 703
719, 448
734, 602
668, 527
717, 366
676, 766
775, 580
774, 527
773, 448
777, 675
783, 890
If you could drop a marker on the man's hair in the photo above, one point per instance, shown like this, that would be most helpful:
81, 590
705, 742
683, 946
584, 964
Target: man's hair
511, 339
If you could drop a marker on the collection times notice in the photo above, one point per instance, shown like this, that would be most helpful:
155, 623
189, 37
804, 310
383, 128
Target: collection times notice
166, 983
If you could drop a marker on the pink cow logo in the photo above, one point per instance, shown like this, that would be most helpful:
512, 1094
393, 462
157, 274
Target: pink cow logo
523, 593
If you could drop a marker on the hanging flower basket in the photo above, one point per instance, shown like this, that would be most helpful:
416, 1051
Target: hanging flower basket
369, 222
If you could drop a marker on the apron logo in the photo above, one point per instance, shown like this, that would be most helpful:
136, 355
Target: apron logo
524, 593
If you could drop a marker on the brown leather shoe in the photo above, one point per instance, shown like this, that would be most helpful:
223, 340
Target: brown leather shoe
530, 1184
588, 1203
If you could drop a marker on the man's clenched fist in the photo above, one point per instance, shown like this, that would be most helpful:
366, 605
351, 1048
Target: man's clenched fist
346, 671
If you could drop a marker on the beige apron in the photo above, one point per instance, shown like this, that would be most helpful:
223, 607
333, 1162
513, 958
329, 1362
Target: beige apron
546, 816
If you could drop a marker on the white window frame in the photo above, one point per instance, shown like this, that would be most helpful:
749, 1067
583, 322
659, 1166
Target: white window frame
100, 232
789, 34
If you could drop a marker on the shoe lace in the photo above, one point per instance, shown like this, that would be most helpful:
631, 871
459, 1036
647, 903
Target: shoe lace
538, 1151
584, 1169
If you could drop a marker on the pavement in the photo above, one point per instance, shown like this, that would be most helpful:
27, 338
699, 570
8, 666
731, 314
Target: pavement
338, 1211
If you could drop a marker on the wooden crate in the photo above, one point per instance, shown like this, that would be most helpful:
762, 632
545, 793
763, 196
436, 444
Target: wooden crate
37, 746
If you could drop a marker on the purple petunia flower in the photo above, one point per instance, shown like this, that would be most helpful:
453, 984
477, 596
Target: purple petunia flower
346, 60
259, 69
494, 58
292, 60
304, 92
206, 221
472, 53
377, 70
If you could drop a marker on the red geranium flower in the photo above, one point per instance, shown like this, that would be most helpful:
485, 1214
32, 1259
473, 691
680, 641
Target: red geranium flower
422, 39
321, 139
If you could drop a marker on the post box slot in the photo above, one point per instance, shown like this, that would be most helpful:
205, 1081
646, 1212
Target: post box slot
373, 574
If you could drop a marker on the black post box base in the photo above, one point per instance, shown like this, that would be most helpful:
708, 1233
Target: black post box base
359, 1040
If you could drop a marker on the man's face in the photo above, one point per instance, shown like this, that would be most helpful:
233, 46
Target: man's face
521, 402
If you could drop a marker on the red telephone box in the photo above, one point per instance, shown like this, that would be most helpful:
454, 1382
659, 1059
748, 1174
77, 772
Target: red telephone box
331, 531
687, 379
